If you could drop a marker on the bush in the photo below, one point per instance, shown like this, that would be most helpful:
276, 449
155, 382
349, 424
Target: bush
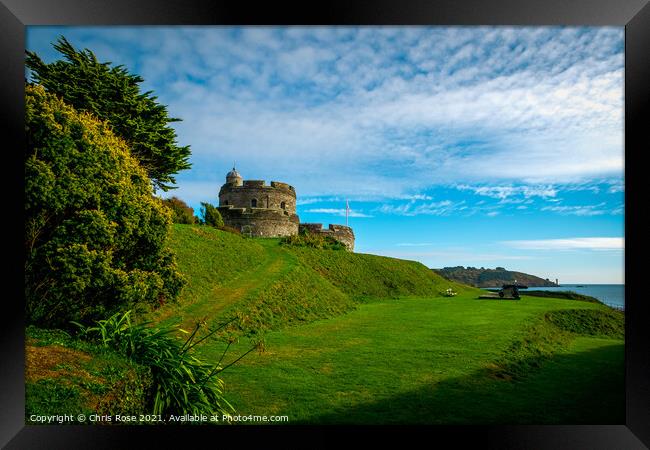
211, 216
182, 384
95, 236
181, 211
230, 230
313, 240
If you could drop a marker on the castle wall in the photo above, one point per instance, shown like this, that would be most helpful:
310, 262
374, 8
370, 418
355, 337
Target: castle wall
270, 197
260, 222
341, 233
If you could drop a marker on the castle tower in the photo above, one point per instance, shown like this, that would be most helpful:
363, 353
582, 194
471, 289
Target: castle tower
257, 209
234, 178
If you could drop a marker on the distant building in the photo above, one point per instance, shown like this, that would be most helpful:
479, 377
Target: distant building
260, 210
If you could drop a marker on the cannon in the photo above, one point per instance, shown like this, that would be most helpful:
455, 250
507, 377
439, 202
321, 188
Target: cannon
511, 290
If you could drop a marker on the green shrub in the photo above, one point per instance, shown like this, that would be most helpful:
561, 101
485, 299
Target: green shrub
95, 237
313, 240
181, 211
182, 384
230, 230
211, 216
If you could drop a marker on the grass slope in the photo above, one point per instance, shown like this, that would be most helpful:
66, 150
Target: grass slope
361, 275
425, 360
267, 286
402, 353
63, 375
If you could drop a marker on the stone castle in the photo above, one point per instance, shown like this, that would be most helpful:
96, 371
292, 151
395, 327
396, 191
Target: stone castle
260, 210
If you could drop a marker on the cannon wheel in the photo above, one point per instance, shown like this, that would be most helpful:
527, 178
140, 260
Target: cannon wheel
501, 294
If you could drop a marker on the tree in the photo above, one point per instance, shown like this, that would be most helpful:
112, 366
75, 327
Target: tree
181, 211
113, 94
210, 215
95, 236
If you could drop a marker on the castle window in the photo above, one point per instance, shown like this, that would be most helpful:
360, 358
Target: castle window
283, 205
254, 203
226, 203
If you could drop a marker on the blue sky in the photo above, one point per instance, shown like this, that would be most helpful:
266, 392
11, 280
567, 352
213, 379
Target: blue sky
473, 146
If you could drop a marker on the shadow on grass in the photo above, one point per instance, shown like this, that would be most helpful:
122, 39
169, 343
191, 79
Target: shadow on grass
577, 388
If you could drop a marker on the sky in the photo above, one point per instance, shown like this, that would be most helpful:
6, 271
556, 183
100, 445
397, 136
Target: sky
473, 146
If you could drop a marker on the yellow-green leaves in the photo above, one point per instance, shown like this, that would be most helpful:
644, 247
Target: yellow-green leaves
95, 234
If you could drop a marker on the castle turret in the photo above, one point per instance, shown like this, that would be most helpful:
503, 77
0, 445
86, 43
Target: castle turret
234, 178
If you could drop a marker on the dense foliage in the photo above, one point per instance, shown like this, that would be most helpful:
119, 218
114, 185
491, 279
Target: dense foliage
113, 94
181, 211
182, 383
211, 216
95, 237
313, 240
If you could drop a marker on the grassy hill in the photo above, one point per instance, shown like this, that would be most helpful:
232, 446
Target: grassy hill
268, 286
354, 338
363, 339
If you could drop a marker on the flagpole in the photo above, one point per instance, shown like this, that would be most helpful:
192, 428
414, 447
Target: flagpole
347, 210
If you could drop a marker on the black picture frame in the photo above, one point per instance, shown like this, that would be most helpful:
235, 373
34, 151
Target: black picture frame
15, 15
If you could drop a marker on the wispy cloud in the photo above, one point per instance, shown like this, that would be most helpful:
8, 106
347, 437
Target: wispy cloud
588, 243
616, 187
337, 212
441, 208
504, 192
386, 110
311, 200
578, 210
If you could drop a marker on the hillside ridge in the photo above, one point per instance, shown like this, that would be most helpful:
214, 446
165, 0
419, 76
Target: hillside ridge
485, 278
268, 286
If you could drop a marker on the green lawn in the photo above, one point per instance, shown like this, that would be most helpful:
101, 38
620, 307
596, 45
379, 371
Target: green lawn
356, 338
423, 360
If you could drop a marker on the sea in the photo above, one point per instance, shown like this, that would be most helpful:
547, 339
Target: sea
610, 294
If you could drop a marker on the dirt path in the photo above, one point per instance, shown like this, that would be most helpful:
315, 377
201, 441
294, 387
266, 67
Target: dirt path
224, 297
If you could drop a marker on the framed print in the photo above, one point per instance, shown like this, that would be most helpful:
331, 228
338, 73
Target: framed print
402, 218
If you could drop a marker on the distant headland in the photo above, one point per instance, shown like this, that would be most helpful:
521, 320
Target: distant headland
491, 277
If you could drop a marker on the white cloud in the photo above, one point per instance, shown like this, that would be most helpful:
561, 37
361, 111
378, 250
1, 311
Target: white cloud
441, 208
589, 243
326, 107
579, 210
337, 212
616, 187
503, 192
